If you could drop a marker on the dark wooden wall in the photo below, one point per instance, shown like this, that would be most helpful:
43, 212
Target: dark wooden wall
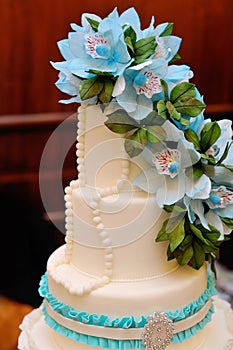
29, 108
30, 30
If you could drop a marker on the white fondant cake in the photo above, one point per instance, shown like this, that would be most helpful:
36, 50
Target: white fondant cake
111, 285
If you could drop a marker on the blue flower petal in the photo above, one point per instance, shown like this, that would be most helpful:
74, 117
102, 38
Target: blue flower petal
179, 73
144, 106
160, 28
226, 212
130, 17
214, 220
64, 48
198, 208
128, 99
198, 188
149, 180
172, 191
189, 155
76, 43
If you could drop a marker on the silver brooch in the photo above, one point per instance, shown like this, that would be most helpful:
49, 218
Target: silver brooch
158, 331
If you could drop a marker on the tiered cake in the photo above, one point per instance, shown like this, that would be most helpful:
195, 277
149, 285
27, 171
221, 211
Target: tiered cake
153, 197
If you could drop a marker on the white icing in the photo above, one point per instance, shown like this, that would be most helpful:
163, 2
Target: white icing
65, 279
102, 159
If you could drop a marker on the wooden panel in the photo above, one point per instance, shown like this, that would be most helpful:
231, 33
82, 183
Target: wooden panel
24, 140
30, 30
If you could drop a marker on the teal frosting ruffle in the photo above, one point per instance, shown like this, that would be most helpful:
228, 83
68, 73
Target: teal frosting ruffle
124, 322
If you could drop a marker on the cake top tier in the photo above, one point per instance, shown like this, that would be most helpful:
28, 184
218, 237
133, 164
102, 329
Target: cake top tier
149, 102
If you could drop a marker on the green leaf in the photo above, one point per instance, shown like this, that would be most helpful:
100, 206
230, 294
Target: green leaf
153, 118
174, 207
134, 144
172, 111
194, 172
210, 159
192, 136
212, 235
90, 88
94, 24
170, 255
130, 33
120, 122
100, 73
165, 89
129, 43
168, 30
189, 106
163, 234
177, 235
175, 58
186, 256
209, 135
130, 38
162, 109
144, 48
211, 260
198, 258
106, 93
155, 134
198, 233
182, 91
184, 121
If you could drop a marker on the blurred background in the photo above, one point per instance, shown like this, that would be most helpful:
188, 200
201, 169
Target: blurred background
30, 112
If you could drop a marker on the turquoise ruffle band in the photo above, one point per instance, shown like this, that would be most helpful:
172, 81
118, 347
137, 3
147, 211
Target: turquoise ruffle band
124, 322
112, 344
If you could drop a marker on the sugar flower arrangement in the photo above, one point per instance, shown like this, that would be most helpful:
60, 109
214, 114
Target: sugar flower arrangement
160, 115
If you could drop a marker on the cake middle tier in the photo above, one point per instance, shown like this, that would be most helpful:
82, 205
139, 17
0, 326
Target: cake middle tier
171, 292
113, 234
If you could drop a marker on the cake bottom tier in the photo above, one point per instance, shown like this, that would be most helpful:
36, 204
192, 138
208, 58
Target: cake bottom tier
217, 335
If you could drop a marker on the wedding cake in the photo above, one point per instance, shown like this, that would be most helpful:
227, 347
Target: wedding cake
151, 205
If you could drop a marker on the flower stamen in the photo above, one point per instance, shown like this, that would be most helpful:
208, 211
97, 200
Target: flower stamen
167, 162
220, 198
97, 46
147, 83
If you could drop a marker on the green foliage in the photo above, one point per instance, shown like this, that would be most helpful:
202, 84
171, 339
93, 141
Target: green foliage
182, 103
189, 243
100, 85
228, 222
191, 136
90, 88
130, 39
94, 24
143, 49
168, 30
136, 133
209, 135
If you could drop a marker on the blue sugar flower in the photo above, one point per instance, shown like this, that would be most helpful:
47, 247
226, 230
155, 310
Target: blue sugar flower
69, 84
130, 18
140, 85
210, 210
103, 51
165, 174
167, 47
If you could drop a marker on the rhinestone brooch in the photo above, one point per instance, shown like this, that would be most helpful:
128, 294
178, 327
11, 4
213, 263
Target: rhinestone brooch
158, 331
